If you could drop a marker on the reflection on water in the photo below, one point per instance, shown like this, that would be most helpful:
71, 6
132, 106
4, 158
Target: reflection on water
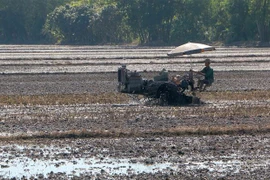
20, 161
27, 167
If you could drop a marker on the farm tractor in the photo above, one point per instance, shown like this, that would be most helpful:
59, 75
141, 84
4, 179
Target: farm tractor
160, 88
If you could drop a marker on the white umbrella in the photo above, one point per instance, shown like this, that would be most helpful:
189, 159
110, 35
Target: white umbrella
190, 48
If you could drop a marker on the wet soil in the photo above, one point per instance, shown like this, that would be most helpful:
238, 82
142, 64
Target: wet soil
137, 153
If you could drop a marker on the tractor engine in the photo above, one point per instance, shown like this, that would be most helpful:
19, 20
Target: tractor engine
130, 81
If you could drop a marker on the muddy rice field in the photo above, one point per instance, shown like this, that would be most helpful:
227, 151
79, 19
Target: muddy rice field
61, 116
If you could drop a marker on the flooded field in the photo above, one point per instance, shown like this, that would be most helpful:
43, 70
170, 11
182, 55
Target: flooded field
84, 59
62, 118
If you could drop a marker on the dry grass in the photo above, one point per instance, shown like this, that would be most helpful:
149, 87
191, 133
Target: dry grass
178, 131
236, 95
220, 130
106, 98
63, 99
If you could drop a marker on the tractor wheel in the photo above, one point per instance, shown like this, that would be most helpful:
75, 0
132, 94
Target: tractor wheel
167, 94
163, 99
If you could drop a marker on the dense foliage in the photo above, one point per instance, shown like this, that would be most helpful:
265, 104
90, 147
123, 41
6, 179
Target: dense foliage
153, 22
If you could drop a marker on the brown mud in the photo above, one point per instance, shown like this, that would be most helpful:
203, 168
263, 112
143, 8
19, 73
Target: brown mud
62, 118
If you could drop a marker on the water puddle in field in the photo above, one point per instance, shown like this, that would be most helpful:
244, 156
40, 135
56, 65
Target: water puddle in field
27, 167
16, 164
39, 162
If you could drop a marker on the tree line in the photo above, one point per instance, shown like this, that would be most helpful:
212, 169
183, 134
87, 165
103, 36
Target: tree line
150, 22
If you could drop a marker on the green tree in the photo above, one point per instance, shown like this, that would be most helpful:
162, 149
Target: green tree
150, 20
191, 21
111, 27
12, 22
69, 24
220, 20
260, 11
21, 21
238, 18
120, 21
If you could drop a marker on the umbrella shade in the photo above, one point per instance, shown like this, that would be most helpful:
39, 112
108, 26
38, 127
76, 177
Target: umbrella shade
190, 48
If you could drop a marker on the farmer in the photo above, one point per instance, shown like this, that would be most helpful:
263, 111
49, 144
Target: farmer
208, 74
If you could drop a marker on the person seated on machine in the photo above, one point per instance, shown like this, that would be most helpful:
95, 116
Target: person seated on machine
208, 73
